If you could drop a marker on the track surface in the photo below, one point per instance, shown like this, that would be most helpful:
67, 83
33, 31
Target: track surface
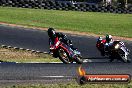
38, 40
12, 73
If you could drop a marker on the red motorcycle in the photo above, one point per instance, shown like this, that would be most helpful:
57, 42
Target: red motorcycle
100, 45
65, 53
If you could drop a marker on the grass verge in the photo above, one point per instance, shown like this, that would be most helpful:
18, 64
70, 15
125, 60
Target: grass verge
74, 85
91, 22
11, 55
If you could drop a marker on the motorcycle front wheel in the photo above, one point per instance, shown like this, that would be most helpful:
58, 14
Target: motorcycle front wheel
124, 59
79, 59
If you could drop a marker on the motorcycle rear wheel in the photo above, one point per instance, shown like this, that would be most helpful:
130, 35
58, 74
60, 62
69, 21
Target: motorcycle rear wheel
63, 56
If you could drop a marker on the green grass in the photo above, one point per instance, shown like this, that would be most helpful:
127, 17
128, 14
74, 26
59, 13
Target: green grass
92, 22
11, 55
73, 85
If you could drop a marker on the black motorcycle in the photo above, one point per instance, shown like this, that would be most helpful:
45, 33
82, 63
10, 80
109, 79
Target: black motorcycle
118, 50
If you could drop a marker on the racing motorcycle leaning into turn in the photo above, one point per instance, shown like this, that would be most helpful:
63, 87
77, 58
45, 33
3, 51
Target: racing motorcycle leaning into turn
65, 53
117, 50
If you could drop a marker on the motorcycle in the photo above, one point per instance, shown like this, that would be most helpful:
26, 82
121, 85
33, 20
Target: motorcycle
116, 50
65, 53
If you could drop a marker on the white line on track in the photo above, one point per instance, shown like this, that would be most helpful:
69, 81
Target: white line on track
40, 62
85, 61
55, 76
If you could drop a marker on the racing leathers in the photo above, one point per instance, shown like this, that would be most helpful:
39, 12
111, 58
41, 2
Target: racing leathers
61, 37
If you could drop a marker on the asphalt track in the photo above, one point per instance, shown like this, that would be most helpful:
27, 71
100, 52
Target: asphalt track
38, 40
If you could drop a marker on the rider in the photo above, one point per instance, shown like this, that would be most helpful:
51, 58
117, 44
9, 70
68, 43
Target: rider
109, 41
101, 49
53, 35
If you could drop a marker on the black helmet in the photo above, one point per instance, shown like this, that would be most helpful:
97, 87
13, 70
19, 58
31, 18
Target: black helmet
51, 33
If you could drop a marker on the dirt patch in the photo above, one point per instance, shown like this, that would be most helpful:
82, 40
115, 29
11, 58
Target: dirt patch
66, 31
